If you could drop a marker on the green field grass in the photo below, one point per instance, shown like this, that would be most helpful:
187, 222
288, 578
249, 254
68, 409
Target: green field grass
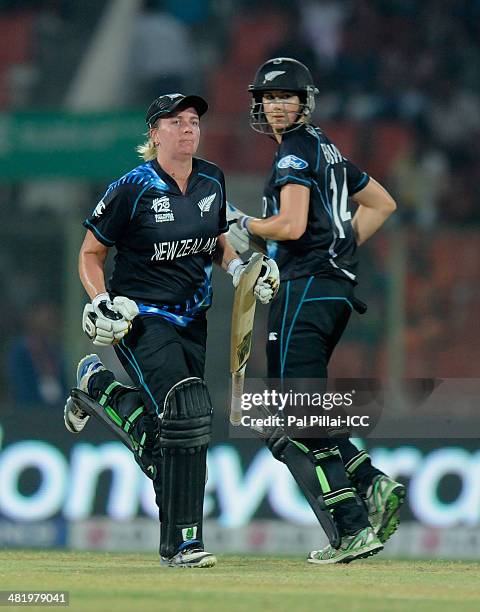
107, 582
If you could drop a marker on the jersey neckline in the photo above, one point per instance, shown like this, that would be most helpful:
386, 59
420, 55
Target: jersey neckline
171, 182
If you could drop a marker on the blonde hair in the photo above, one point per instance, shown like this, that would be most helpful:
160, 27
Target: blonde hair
147, 150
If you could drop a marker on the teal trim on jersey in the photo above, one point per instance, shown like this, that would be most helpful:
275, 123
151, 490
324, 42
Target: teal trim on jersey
325, 204
363, 181
287, 297
343, 299
297, 312
327, 187
138, 198
98, 233
303, 300
293, 179
212, 178
137, 369
313, 132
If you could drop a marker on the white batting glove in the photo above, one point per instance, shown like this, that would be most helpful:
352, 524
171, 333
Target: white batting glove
106, 322
235, 269
126, 307
268, 282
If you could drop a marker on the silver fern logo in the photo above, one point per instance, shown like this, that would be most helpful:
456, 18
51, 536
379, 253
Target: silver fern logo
99, 208
205, 203
272, 75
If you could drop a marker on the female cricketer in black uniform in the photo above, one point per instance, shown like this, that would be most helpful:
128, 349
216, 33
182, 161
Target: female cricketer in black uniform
313, 238
167, 220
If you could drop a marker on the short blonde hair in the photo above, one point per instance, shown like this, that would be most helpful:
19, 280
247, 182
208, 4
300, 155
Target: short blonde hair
148, 149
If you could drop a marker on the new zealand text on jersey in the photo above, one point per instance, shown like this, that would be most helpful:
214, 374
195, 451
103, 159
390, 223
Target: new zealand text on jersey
165, 251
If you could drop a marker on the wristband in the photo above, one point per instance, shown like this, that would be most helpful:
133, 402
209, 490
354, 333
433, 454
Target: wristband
244, 221
233, 265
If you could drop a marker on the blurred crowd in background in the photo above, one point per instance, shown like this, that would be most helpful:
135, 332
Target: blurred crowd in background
399, 85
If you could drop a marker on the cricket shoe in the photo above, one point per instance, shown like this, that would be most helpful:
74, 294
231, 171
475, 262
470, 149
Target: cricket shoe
363, 544
384, 499
75, 418
190, 557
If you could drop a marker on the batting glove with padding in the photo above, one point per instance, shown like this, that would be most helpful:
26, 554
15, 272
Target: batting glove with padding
268, 282
106, 322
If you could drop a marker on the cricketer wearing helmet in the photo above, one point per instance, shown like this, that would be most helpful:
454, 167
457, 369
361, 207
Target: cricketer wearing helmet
313, 236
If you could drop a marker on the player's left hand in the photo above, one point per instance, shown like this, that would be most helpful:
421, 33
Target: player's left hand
126, 307
268, 281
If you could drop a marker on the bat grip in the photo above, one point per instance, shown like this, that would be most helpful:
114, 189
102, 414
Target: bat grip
238, 380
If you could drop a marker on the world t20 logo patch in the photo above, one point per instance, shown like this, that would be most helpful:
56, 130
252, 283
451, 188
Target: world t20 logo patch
162, 209
292, 161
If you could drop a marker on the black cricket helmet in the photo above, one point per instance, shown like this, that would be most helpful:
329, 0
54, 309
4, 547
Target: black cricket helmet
282, 74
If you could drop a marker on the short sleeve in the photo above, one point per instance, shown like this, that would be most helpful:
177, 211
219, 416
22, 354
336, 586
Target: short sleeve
294, 161
110, 216
356, 179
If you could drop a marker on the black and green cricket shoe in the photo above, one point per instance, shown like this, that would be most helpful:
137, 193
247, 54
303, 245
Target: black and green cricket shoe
359, 546
384, 499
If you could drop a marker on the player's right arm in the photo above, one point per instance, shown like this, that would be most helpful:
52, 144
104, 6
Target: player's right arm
91, 262
375, 205
293, 175
105, 321
291, 222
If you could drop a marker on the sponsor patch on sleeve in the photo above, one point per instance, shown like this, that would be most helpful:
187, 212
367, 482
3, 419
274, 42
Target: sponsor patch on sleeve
292, 161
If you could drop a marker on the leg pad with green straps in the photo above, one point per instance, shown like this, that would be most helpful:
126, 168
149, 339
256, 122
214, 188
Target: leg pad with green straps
121, 426
302, 467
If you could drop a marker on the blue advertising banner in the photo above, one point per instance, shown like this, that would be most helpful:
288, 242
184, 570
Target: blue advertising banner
48, 475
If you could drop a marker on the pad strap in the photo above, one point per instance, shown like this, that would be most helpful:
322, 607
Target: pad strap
301, 463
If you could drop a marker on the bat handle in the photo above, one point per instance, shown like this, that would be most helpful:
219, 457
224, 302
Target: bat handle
238, 380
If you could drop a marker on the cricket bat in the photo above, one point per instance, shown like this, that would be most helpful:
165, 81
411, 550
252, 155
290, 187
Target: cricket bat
241, 333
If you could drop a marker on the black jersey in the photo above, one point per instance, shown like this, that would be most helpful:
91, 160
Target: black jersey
307, 157
164, 240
